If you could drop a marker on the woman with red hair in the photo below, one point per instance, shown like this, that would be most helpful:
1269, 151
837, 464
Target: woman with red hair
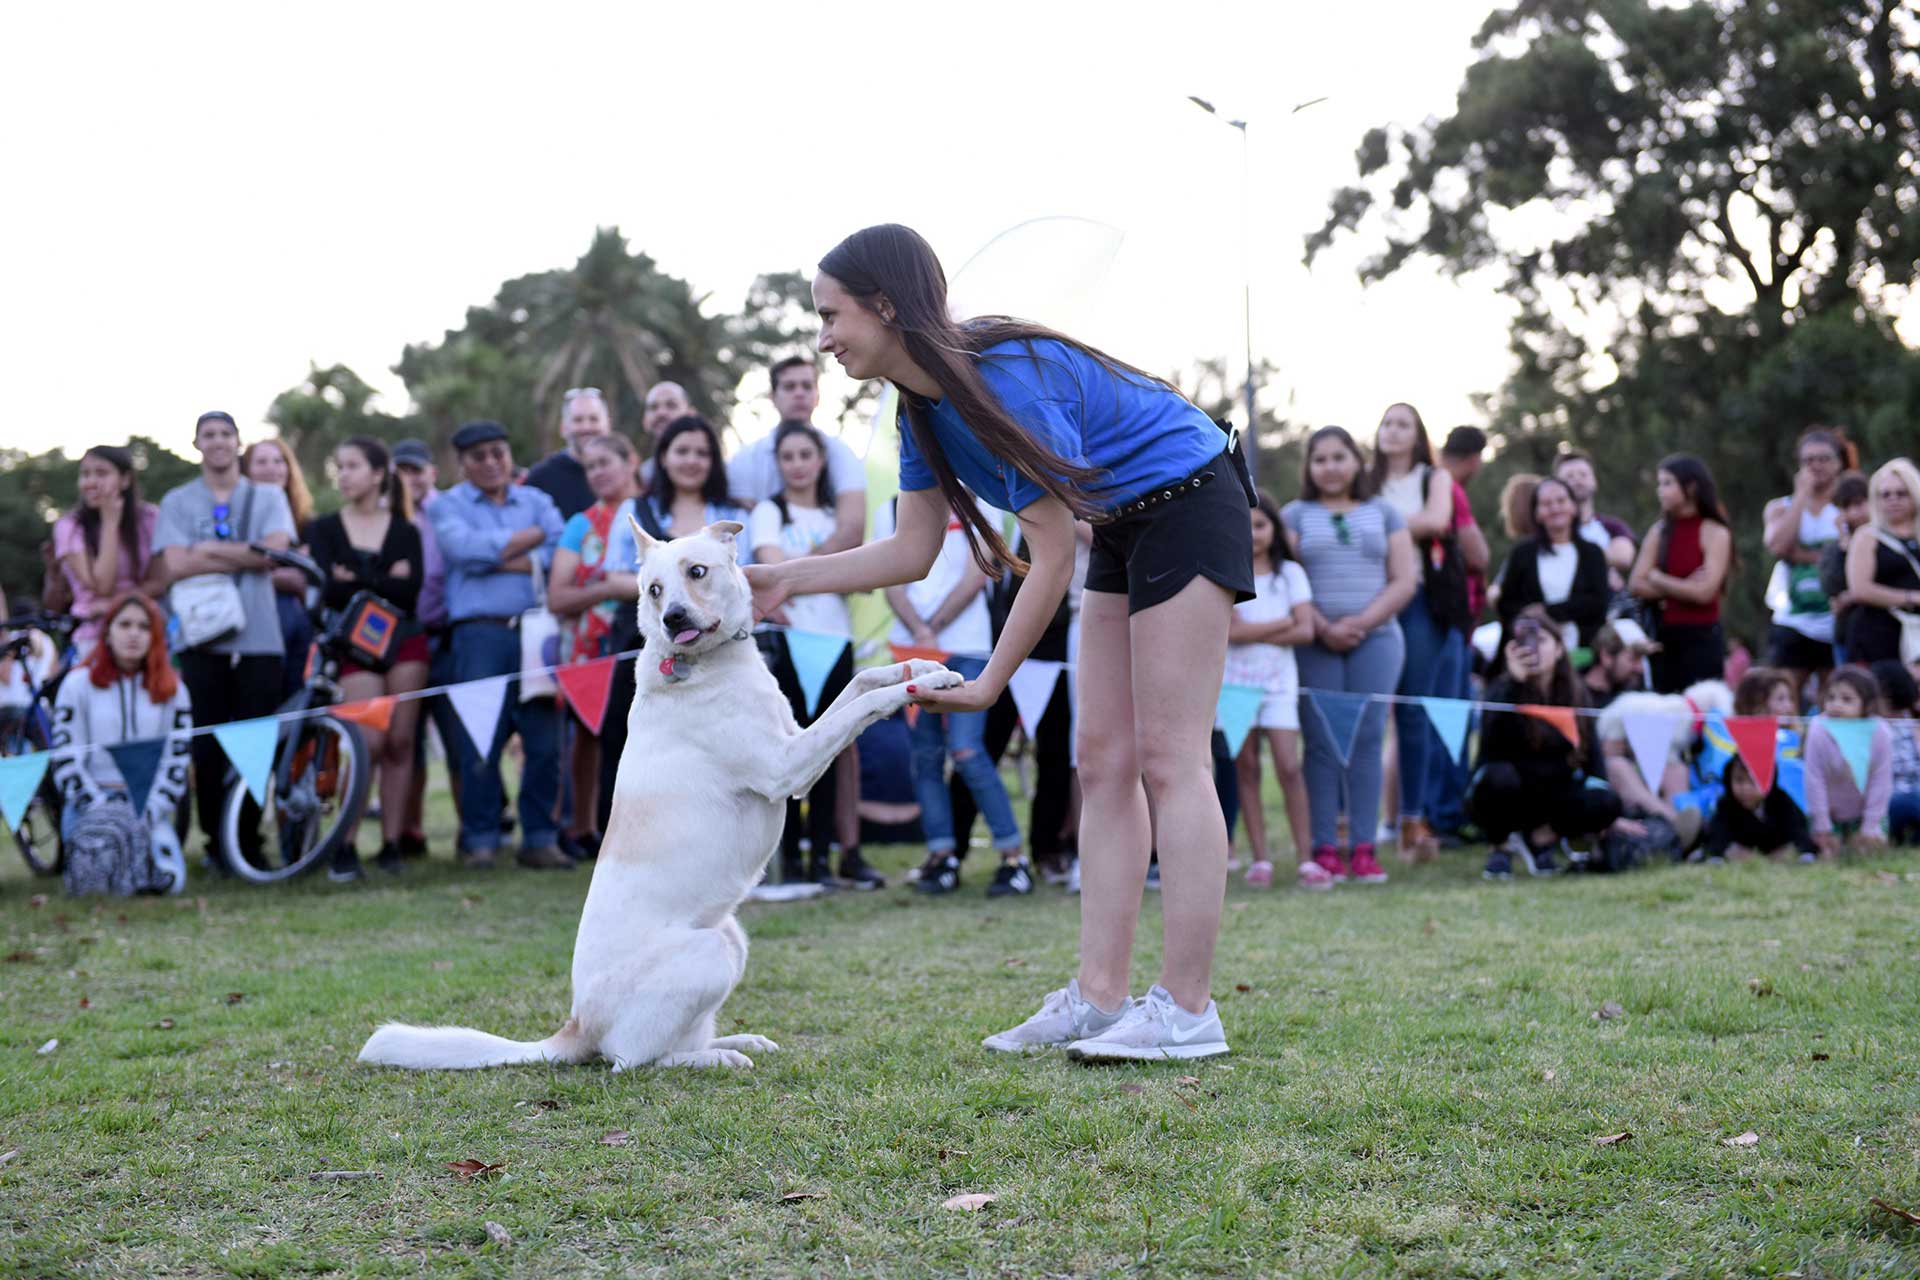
126, 691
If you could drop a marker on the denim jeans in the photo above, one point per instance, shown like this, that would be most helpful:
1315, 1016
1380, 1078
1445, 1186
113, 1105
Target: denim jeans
1447, 778
1374, 667
960, 735
1434, 656
1903, 817
482, 649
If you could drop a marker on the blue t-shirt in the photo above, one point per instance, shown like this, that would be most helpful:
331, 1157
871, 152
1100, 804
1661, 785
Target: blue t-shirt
1139, 433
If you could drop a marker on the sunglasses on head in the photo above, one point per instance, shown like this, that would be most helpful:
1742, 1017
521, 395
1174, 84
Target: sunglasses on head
575, 393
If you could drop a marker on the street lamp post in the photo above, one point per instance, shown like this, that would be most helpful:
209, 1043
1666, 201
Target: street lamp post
1246, 262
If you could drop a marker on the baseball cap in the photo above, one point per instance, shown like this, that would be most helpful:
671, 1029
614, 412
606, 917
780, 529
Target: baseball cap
412, 453
478, 432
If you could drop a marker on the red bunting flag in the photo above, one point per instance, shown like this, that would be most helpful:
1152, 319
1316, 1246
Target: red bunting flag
374, 713
1560, 718
588, 686
1757, 738
905, 652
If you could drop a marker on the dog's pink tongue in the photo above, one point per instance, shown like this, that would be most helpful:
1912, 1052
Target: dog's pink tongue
687, 636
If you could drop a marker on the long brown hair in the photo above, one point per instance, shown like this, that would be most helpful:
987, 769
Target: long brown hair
894, 261
1422, 446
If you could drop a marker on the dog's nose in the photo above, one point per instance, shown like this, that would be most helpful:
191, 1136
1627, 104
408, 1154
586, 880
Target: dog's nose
676, 619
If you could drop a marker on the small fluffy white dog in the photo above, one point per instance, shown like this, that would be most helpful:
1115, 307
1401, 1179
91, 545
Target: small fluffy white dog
713, 753
1686, 711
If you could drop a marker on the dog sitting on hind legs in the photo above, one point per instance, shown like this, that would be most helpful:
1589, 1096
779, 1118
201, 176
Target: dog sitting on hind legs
713, 752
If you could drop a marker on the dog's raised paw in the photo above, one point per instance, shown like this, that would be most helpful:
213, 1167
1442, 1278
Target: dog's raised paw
940, 679
759, 1044
918, 668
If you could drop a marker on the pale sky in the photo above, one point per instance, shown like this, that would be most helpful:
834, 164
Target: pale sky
204, 198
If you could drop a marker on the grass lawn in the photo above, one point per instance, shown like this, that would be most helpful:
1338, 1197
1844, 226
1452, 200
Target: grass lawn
1417, 1084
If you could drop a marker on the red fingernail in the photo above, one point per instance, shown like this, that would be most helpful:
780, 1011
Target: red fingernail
911, 689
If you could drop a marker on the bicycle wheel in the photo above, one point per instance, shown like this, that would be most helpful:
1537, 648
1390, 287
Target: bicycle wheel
38, 835
315, 799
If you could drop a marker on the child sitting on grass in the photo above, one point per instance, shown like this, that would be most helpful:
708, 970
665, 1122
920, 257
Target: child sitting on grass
1746, 822
1836, 803
1898, 696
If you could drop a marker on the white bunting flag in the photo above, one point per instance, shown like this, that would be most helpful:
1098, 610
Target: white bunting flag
1033, 684
1648, 734
479, 703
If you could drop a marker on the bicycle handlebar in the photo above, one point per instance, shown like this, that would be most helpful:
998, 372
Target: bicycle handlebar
293, 560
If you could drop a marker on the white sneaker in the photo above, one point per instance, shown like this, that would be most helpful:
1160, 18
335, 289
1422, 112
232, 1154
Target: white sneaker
1063, 1018
1155, 1028
1073, 877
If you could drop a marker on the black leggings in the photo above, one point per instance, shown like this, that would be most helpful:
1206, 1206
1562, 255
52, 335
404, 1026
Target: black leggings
1502, 802
225, 688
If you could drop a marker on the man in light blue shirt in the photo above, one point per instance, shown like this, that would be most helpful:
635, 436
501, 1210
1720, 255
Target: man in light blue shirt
494, 536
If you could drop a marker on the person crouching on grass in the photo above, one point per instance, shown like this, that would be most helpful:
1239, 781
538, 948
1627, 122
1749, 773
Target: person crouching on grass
1836, 805
1042, 425
1747, 821
1534, 788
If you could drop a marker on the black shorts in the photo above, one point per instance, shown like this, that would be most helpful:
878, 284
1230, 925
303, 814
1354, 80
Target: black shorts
1789, 648
1152, 556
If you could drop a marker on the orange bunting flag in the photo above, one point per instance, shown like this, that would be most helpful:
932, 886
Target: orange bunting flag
904, 652
1757, 738
1560, 718
588, 686
374, 713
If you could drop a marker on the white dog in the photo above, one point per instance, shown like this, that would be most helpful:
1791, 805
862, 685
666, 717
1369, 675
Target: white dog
713, 753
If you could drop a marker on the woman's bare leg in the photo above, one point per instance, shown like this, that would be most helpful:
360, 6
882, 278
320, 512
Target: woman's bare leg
1115, 831
1179, 652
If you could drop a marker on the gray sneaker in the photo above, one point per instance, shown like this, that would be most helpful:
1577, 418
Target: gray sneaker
1063, 1018
1155, 1028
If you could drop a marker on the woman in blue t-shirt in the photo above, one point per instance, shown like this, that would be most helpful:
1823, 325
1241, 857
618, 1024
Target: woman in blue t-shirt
1039, 424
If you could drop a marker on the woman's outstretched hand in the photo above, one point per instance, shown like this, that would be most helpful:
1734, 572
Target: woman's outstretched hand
971, 696
770, 589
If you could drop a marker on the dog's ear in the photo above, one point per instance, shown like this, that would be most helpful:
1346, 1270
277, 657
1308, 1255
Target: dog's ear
724, 530
641, 539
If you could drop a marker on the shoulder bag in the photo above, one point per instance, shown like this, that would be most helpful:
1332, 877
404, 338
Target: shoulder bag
208, 604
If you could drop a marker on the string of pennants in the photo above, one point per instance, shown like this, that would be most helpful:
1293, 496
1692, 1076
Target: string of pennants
1755, 739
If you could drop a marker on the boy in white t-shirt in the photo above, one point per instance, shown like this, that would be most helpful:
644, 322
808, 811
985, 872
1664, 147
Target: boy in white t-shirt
947, 611
1260, 642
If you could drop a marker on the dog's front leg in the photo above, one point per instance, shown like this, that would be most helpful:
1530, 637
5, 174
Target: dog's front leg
792, 765
868, 679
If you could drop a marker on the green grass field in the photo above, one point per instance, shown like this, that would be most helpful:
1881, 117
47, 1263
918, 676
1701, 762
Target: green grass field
1417, 1087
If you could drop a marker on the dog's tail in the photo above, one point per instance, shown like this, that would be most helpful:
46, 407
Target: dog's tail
396, 1044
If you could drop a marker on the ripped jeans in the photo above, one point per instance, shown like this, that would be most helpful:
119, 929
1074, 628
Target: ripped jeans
961, 736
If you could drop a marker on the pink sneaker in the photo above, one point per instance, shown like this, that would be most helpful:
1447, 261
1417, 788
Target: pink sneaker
1366, 869
1260, 874
1314, 876
1331, 862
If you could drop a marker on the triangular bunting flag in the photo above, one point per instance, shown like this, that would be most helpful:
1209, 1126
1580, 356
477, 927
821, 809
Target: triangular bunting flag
1648, 735
587, 686
479, 703
139, 765
905, 652
1032, 687
1239, 707
1341, 713
1756, 738
1448, 716
1560, 718
813, 654
374, 713
19, 779
249, 745
1855, 739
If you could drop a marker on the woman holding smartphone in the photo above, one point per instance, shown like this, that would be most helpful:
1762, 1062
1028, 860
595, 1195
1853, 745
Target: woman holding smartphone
1042, 425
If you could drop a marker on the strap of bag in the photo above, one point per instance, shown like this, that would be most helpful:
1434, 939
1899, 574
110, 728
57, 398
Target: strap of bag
1894, 545
245, 525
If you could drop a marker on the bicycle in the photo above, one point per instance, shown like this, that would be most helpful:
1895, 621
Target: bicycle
24, 730
317, 792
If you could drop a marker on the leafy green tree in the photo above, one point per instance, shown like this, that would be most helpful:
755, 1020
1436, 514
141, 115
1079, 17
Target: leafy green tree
1704, 212
331, 405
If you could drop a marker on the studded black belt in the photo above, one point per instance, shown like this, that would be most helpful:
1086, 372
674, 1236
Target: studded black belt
1156, 498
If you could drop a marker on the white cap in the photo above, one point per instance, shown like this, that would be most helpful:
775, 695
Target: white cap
1631, 633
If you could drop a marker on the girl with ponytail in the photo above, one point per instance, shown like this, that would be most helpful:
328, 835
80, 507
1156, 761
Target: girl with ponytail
1044, 426
372, 544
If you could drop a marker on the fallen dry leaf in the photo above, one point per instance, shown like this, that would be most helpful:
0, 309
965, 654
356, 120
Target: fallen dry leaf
235, 997
1548, 1077
470, 1168
499, 1234
21, 957
968, 1201
791, 1196
618, 1138
1243, 987
1014, 962
542, 1104
1133, 1088
1747, 1139
165, 1024
342, 1175
48, 1047
946, 1152
1821, 1057
1612, 1139
7, 1156
1760, 986
469, 903
1905, 1215
442, 964
37, 901
86, 1003
1609, 1011
1188, 1080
